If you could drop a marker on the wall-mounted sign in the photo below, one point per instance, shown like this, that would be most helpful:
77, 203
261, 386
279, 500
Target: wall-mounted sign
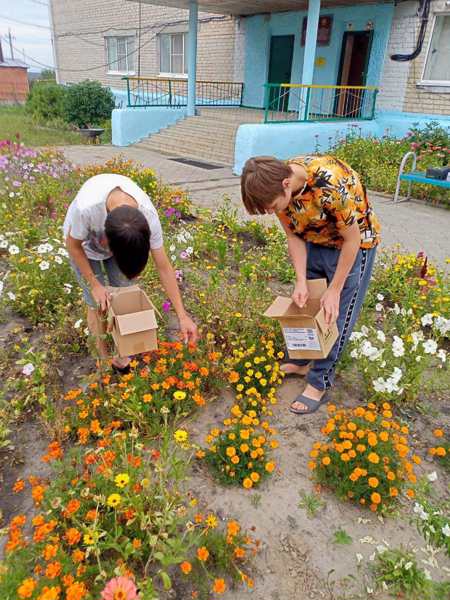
323, 32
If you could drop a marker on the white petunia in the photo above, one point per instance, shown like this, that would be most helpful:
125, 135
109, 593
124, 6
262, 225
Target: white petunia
442, 355
42, 249
379, 385
173, 257
189, 250
380, 297
354, 353
11, 296
418, 509
63, 252
446, 530
359, 557
378, 307
44, 265
430, 347
356, 335
172, 248
432, 476
380, 336
28, 369
58, 260
14, 249
408, 565
3, 244
396, 309
427, 320
398, 348
78, 323
442, 325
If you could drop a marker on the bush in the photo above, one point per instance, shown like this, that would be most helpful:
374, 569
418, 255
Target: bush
365, 457
46, 101
87, 103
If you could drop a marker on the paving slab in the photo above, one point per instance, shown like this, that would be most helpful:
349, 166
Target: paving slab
414, 226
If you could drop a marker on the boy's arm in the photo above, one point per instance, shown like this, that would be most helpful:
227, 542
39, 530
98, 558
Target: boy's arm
78, 255
298, 254
169, 281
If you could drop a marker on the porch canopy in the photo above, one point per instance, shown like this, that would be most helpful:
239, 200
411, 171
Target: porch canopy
253, 7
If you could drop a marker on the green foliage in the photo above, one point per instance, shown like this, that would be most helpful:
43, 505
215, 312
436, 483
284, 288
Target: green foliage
311, 503
88, 103
46, 101
341, 537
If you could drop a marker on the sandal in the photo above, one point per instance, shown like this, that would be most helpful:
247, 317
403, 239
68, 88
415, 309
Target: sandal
312, 405
121, 370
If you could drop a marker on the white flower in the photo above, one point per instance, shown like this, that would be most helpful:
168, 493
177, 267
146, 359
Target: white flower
42, 249
381, 549
380, 297
189, 250
442, 325
173, 257
356, 335
379, 385
430, 347
172, 248
13, 249
432, 476
398, 348
2, 285
3, 244
44, 265
418, 359
427, 320
63, 252
58, 260
78, 323
397, 374
442, 355
408, 565
359, 557
446, 530
380, 336
378, 307
354, 353
11, 296
396, 309
417, 336
364, 330
28, 369
418, 509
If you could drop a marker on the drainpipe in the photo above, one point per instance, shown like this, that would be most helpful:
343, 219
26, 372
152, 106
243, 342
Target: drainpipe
309, 56
192, 56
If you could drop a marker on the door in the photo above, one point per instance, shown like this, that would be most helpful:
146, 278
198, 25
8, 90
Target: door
280, 67
355, 55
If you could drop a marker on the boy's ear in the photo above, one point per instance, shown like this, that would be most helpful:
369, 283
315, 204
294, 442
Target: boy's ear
286, 183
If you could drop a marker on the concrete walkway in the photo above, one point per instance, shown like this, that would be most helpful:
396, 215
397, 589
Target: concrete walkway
414, 226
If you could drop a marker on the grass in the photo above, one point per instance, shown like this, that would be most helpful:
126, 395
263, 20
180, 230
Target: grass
311, 503
340, 536
14, 119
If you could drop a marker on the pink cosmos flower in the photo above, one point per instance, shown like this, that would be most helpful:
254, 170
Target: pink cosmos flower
120, 588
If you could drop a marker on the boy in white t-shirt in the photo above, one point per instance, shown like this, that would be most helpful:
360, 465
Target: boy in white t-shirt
110, 228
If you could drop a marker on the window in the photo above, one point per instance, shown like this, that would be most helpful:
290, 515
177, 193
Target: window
437, 65
120, 53
172, 53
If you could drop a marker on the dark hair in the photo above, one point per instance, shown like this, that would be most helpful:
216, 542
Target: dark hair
128, 236
261, 182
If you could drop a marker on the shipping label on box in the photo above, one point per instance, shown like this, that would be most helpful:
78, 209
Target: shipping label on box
301, 338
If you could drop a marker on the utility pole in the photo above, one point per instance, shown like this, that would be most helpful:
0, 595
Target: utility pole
10, 44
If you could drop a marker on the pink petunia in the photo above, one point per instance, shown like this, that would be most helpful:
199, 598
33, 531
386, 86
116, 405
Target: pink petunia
120, 587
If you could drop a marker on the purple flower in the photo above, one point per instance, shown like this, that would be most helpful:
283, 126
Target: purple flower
166, 306
16, 183
169, 211
179, 275
184, 255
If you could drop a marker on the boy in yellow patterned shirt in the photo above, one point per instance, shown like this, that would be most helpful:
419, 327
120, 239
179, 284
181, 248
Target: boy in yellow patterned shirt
332, 233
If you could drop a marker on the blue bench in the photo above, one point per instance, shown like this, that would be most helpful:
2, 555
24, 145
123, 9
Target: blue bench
414, 176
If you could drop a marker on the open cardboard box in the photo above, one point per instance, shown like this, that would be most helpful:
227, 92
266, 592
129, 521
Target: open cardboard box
305, 331
132, 321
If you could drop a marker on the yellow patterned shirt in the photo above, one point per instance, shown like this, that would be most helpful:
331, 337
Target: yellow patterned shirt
333, 198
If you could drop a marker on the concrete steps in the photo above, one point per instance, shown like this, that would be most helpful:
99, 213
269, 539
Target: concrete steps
209, 136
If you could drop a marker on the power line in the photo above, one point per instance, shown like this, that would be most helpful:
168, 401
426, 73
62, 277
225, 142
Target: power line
39, 2
24, 23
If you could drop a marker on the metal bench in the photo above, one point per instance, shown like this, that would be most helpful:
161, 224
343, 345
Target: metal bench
414, 176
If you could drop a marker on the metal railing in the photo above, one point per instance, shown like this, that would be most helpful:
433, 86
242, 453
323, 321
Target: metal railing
287, 103
155, 91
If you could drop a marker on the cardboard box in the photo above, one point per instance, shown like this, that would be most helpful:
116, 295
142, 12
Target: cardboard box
305, 331
132, 321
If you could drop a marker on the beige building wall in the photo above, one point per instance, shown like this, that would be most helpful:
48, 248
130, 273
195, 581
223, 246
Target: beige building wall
401, 84
82, 25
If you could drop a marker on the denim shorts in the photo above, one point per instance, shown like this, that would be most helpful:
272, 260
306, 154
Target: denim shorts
107, 273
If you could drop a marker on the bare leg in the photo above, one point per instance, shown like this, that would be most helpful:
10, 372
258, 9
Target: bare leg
97, 329
291, 368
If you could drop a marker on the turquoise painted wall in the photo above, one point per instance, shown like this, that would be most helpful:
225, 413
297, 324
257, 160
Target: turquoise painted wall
260, 28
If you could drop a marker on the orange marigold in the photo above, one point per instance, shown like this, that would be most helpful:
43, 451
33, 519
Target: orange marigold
186, 567
26, 588
18, 486
202, 553
219, 586
438, 433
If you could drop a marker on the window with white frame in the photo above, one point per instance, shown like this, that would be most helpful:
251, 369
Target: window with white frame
120, 54
437, 64
172, 53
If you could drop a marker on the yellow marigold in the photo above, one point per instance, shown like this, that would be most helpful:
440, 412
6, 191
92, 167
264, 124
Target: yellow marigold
235, 459
230, 451
270, 466
347, 444
326, 460
373, 482
244, 448
375, 497
244, 434
26, 588
416, 459
311, 465
390, 475
410, 493
438, 433
233, 377
361, 447
440, 451
255, 477
351, 426
372, 439
384, 436
345, 457
247, 483
373, 458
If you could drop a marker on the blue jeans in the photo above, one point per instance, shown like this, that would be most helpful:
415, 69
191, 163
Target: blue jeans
102, 269
322, 263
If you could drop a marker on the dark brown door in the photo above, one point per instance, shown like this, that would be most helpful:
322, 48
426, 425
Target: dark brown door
355, 56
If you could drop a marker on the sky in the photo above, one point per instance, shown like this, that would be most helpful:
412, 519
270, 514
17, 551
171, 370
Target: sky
31, 35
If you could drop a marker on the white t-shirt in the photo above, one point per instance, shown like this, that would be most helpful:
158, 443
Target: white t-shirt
86, 216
